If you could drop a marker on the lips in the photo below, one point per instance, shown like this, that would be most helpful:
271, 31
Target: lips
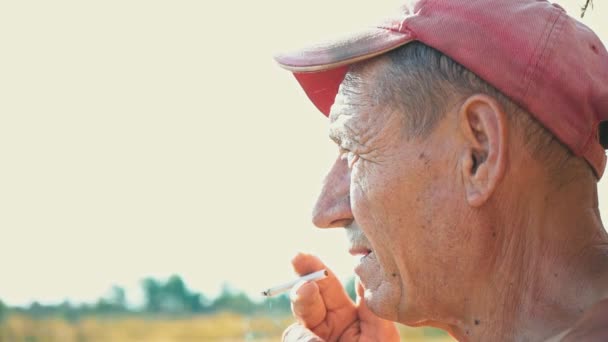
367, 263
360, 250
359, 244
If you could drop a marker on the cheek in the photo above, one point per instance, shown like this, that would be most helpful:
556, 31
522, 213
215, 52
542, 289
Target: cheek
439, 238
381, 206
382, 194
376, 212
368, 195
402, 211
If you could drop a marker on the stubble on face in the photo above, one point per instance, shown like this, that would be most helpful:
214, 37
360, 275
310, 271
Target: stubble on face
365, 130
402, 198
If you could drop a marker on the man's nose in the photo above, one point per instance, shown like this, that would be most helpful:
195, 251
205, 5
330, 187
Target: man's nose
333, 205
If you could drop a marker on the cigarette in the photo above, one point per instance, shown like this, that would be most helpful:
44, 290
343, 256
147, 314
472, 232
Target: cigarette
273, 291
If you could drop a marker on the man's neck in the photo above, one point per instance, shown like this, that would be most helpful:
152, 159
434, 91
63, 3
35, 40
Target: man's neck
550, 266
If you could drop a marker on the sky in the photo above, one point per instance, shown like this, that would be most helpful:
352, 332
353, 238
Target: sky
148, 138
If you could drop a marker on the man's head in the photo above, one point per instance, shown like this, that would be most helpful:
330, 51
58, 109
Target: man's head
425, 146
433, 158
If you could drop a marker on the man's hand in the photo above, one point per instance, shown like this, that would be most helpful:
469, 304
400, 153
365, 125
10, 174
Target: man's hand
326, 313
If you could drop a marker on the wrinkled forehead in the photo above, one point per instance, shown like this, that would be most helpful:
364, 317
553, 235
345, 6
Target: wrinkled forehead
347, 114
361, 106
359, 90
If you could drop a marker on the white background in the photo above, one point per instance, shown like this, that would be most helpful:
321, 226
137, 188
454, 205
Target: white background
146, 138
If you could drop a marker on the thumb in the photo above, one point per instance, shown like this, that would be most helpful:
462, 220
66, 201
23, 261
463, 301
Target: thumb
384, 329
365, 314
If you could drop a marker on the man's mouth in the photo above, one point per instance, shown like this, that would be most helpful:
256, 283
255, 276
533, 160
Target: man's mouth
360, 250
365, 261
359, 245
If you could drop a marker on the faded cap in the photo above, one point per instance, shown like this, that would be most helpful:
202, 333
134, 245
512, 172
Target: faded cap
531, 50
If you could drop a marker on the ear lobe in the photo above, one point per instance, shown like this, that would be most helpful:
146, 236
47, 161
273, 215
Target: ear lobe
483, 125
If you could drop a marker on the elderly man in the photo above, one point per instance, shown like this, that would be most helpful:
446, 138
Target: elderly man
467, 175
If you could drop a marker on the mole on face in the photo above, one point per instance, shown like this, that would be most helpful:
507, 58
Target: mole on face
476, 322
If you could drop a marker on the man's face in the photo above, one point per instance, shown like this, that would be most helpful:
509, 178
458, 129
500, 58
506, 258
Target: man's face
398, 198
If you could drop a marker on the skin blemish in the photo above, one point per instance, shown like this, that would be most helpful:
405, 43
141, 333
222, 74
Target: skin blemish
476, 322
394, 274
594, 48
424, 158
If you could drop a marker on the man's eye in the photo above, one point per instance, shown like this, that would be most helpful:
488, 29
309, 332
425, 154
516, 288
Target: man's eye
350, 157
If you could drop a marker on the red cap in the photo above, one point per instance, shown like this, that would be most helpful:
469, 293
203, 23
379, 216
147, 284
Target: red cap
551, 65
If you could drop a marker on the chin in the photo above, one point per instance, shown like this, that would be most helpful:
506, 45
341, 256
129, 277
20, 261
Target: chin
384, 301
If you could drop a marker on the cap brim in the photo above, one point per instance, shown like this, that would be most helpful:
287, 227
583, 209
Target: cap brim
320, 69
343, 51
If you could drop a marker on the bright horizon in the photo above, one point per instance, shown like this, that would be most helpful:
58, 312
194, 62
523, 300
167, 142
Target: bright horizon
149, 138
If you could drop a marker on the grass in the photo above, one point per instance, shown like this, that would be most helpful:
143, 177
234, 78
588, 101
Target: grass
225, 327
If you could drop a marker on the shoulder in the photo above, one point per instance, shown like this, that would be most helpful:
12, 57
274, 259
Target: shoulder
593, 326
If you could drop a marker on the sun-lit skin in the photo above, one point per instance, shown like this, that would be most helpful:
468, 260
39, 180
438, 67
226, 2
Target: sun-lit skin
394, 197
467, 231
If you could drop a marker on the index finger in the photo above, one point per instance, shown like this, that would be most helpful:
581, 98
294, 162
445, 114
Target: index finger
330, 288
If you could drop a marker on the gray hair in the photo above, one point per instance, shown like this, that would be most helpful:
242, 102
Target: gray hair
423, 83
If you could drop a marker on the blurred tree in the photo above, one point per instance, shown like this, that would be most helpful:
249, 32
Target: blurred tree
3, 311
205, 303
173, 296
194, 302
350, 288
115, 302
229, 300
118, 298
279, 305
37, 310
103, 307
66, 311
152, 294
85, 309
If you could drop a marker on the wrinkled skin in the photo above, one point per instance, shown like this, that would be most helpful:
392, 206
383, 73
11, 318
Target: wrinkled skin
445, 229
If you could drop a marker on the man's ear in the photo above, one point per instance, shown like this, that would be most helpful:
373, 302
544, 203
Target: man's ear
483, 124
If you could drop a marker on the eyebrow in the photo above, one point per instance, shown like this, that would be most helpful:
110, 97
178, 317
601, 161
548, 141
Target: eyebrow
335, 135
343, 134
